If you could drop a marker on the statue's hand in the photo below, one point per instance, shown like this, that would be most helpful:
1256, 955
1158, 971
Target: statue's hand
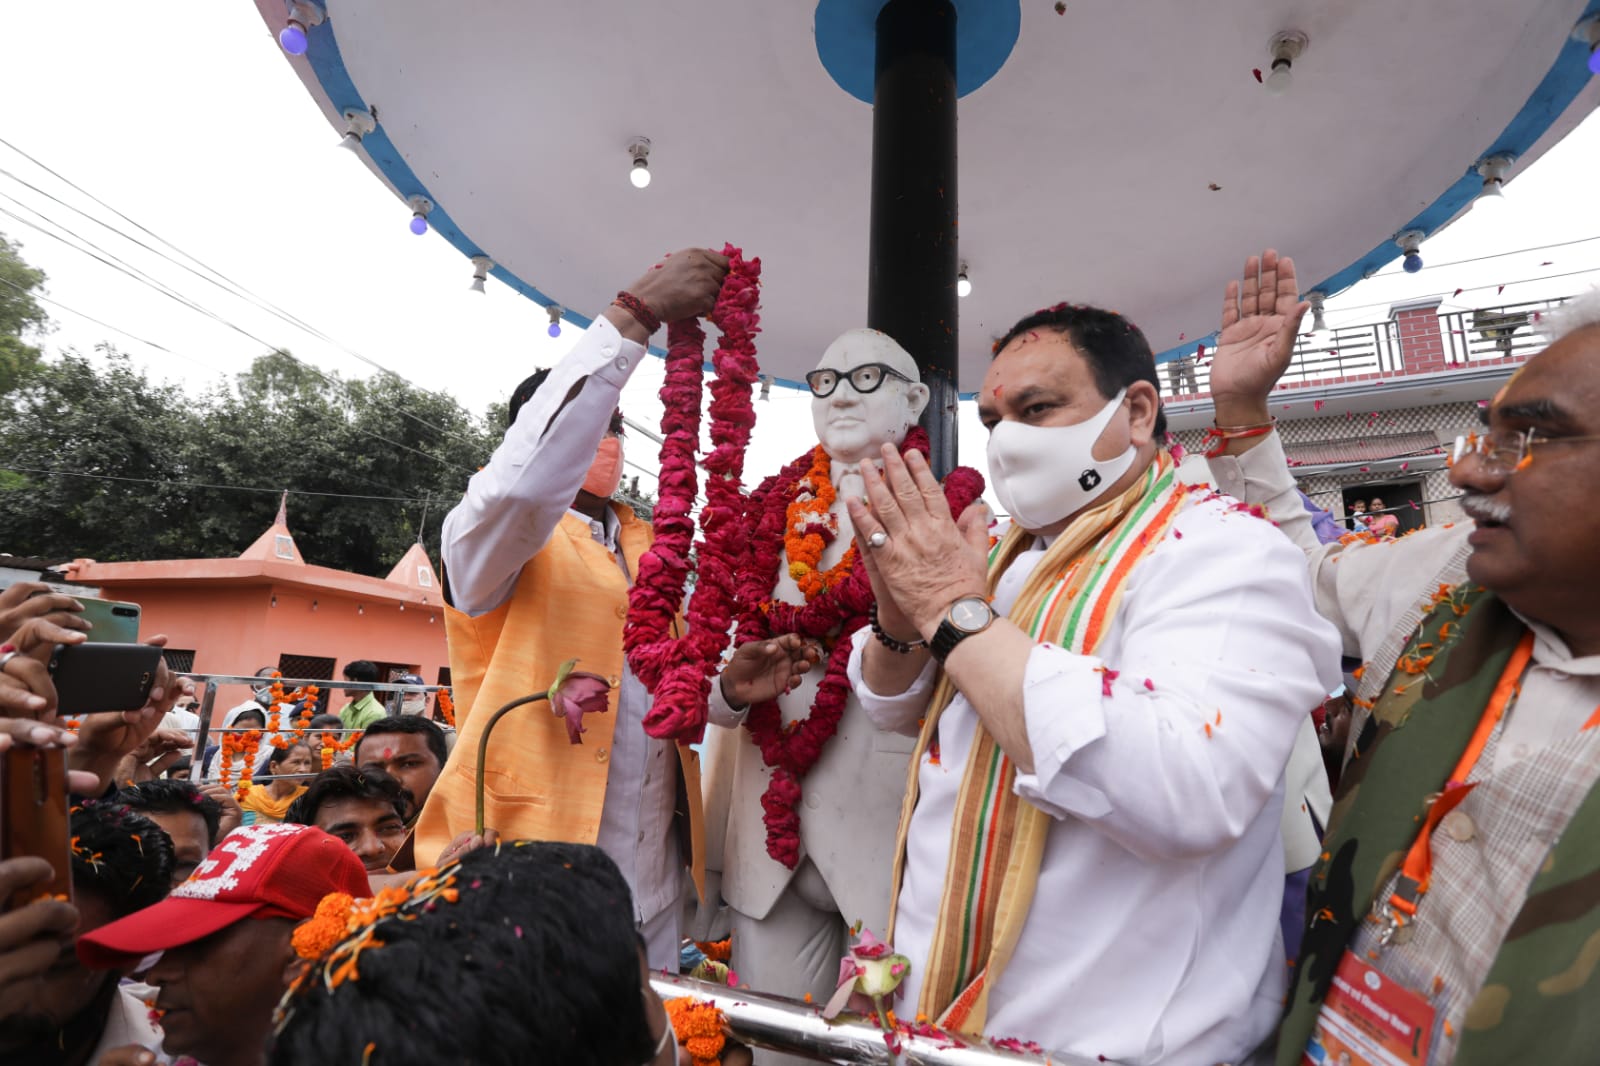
765, 669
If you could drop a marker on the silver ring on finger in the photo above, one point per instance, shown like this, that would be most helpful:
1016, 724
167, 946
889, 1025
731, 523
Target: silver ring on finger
6, 657
877, 540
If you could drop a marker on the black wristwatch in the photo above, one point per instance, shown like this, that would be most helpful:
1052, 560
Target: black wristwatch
967, 617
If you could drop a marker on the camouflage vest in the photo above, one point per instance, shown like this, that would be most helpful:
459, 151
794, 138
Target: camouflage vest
1407, 749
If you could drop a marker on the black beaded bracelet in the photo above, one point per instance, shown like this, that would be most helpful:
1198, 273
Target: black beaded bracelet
901, 646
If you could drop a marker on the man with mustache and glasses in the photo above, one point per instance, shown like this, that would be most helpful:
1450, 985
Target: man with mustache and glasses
1458, 893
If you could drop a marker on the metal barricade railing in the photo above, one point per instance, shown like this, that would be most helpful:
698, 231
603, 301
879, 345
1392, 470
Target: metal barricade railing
208, 703
779, 1024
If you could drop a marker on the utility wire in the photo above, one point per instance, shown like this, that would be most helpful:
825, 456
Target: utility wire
182, 301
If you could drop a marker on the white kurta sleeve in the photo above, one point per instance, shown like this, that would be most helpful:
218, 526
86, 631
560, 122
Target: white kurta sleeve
719, 711
515, 502
1173, 747
900, 713
1362, 588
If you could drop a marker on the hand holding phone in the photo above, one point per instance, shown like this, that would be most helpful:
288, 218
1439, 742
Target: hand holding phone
95, 678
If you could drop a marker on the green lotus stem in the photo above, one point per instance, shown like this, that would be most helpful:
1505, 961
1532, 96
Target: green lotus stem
483, 749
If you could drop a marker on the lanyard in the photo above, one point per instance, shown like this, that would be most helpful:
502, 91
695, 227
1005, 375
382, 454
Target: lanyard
1416, 873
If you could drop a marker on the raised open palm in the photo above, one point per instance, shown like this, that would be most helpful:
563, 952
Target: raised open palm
1260, 318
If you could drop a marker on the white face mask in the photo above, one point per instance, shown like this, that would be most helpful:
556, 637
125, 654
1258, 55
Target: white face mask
1042, 474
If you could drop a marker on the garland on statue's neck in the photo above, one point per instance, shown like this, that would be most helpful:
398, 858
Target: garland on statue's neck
678, 669
832, 613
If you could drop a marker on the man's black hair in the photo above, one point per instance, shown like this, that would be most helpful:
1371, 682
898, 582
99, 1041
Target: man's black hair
120, 856
432, 735
363, 670
325, 721
1116, 349
539, 953
173, 797
530, 385
348, 782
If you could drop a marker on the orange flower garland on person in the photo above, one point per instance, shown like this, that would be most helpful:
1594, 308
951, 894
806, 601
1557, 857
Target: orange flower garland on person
811, 527
699, 1028
447, 707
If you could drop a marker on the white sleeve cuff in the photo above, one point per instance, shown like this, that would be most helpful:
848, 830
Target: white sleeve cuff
891, 714
1061, 694
720, 711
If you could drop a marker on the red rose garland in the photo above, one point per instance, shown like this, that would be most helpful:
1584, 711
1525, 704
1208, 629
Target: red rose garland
677, 670
833, 615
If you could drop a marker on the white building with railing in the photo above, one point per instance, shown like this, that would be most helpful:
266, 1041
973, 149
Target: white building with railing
1370, 410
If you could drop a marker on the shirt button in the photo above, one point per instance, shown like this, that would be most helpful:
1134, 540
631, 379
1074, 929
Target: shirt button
813, 801
601, 755
608, 349
1458, 826
620, 362
622, 612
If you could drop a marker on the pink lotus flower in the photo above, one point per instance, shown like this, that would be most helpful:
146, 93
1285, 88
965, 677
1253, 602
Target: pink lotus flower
576, 693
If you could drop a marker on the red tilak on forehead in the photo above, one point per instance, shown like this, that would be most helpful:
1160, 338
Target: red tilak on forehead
388, 753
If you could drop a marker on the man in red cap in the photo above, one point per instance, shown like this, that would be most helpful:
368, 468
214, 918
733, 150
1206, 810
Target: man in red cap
224, 936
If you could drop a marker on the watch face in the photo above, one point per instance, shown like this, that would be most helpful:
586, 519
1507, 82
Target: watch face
970, 615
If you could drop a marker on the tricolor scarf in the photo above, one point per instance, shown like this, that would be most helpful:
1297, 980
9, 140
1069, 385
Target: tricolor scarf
1542, 974
997, 841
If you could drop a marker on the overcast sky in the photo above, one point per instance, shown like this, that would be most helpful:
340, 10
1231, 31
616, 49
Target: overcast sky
188, 120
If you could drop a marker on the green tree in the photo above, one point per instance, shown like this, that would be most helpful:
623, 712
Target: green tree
20, 315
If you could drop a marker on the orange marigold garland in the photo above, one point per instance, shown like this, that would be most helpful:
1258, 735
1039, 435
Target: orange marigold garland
447, 707
698, 1025
811, 526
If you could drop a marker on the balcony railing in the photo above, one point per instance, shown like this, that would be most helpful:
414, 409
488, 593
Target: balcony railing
1481, 336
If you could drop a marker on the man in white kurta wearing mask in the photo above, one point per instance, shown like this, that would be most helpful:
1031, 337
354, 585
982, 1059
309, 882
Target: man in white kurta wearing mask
790, 927
1090, 857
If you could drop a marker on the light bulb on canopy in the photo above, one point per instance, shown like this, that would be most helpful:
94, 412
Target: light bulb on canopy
357, 124
292, 38
963, 283
1316, 299
554, 311
1588, 32
1287, 46
420, 207
639, 152
481, 265
1492, 169
1410, 243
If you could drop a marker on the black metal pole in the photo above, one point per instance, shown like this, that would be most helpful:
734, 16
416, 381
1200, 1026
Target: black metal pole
913, 257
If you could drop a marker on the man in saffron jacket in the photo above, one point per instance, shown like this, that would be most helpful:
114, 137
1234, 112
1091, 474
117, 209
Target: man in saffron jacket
537, 563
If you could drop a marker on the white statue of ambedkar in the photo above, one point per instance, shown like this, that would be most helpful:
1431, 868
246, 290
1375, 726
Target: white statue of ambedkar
791, 923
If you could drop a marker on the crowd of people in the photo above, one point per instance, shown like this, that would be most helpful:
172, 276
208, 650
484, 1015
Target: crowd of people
1074, 759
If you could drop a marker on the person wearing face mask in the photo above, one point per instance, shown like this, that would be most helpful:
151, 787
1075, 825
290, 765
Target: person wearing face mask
1090, 853
537, 565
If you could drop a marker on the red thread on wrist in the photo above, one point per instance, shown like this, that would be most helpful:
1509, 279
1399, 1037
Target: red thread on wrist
1222, 435
638, 309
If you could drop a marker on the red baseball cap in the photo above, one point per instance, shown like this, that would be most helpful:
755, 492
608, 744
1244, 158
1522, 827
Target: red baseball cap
256, 871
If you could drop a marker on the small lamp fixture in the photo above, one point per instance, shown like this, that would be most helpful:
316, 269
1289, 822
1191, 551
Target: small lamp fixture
639, 152
481, 265
1492, 169
313, 605
1588, 32
1316, 298
766, 387
420, 208
1286, 47
357, 124
1410, 242
292, 38
963, 284
554, 311
361, 609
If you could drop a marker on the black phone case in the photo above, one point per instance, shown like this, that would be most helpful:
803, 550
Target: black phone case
91, 678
